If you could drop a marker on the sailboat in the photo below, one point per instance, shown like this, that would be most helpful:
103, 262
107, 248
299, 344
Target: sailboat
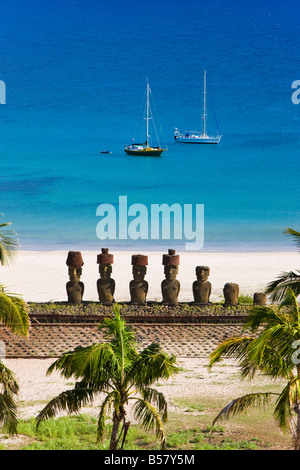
198, 137
145, 149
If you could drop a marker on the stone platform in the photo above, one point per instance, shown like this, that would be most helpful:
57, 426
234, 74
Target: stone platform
186, 331
183, 340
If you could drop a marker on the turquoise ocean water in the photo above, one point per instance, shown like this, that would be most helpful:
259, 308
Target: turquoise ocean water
75, 75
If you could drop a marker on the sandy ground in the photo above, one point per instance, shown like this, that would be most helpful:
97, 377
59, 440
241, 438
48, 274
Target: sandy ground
194, 380
42, 276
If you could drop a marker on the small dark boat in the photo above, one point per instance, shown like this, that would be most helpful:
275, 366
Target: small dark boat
143, 150
105, 151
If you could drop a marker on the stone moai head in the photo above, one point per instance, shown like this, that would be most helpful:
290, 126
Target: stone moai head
105, 261
231, 294
75, 287
75, 263
171, 263
202, 287
259, 298
138, 286
74, 273
105, 285
202, 273
170, 286
139, 267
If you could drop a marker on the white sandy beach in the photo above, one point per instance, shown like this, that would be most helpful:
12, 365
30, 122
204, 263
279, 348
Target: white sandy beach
42, 276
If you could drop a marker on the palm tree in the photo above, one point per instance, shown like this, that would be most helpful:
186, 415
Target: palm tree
13, 314
285, 280
272, 348
8, 243
116, 369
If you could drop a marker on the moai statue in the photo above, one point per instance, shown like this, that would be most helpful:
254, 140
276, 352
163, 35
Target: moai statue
231, 294
202, 287
75, 288
138, 287
259, 298
170, 286
105, 285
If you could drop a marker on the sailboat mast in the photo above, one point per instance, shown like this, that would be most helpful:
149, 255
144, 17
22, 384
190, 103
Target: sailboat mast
148, 91
204, 103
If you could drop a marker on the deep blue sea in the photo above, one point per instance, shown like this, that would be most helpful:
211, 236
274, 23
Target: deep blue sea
75, 75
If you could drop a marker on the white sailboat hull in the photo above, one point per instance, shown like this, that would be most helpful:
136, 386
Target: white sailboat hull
191, 138
197, 137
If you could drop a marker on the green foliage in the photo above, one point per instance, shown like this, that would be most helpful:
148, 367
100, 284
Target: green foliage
78, 433
8, 243
14, 315
14, 312
64, 433
185, 437
245, 299
268, 350
126, 309
118, 370
285, 281
8, 406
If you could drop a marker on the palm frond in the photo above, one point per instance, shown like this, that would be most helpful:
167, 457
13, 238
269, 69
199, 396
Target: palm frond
149, 418
14, 313
285, 404
290, 301
8, 412
8, 379
8, 243
8, 408
278, 288
261, 315
294, 234
96, 363
156, 398
150, 365
272, 350
104, 410
121, 337
231, 347
70, 400
242, 405
23, 309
